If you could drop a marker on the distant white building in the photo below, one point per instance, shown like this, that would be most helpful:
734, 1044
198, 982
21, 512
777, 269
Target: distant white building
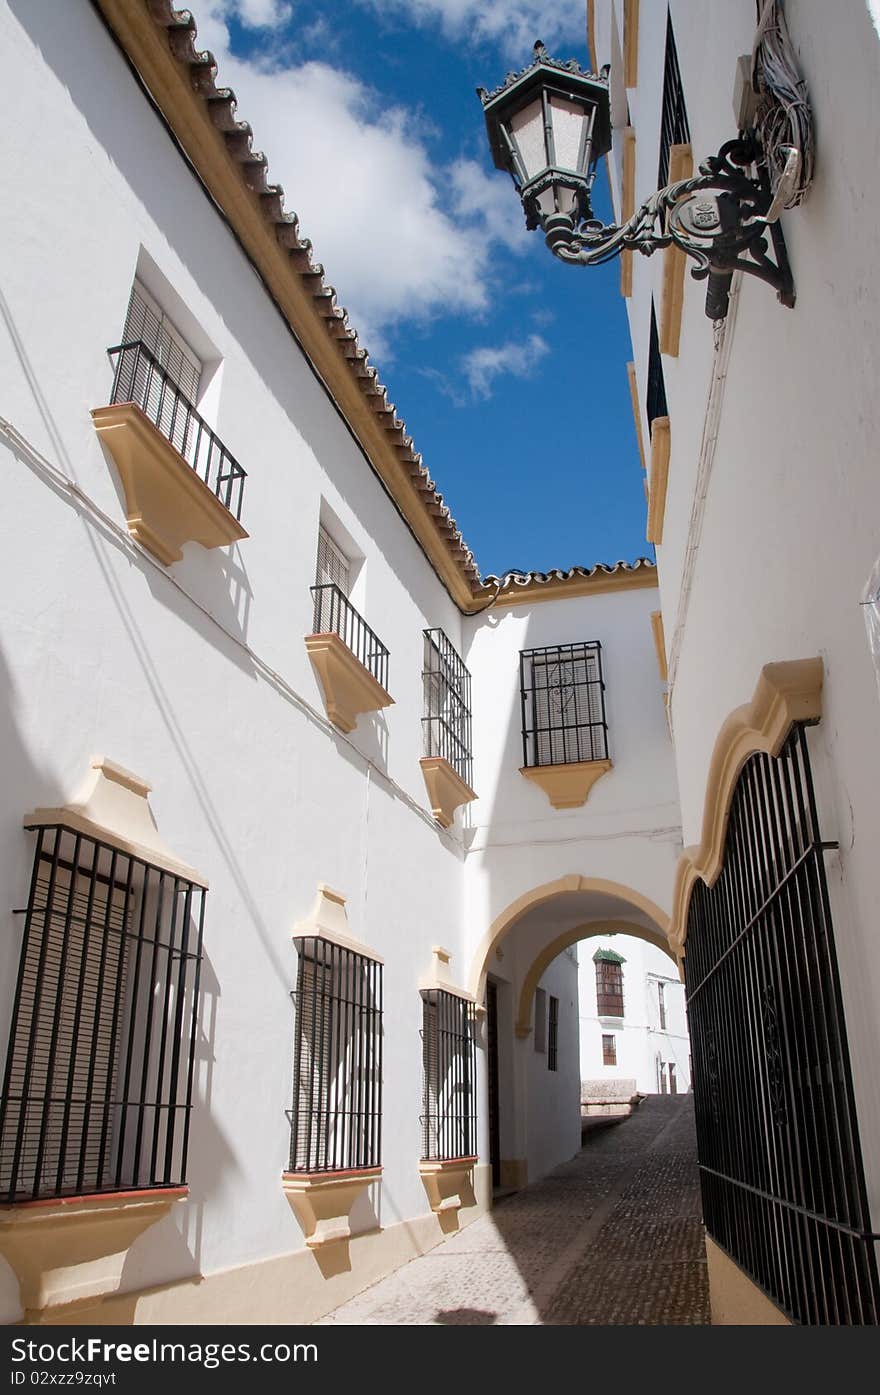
633, 1023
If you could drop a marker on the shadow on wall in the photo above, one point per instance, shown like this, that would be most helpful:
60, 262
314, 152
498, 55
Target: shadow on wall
67, 36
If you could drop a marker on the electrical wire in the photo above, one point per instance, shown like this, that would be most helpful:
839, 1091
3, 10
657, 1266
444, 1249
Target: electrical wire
784, 120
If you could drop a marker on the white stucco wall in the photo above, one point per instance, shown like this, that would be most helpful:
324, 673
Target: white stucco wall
639, 1038
554, 1095
783, 527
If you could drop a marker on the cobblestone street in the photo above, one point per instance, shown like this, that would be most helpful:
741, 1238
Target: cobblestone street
612, 1237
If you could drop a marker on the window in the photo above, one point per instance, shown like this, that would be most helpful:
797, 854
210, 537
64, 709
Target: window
563, 704
334, 568
661, 1005
673, 1084
655, 404
446, 724
336, 1118
674, 129
99, 1069
553, 1034
147, 322
609, 1050
449, 1119
609, 983
540, 1020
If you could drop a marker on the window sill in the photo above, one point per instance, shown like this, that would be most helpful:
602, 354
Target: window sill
567, 786
448, 1182
349, 688
166, 503
72, 1249
322, 1201
446, 789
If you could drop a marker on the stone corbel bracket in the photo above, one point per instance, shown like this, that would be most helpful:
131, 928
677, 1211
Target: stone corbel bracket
166, 503
322, 1202
786, 692
72, 1250
349, 688
448, 1183
446, 789
567, 786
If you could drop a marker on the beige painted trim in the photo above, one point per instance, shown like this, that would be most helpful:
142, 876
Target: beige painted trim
786, 692
169, 82
567, 786
568, 588
322, 1202
734, 1298
627, 204
112, 806
681, 166
587, 930
349, 688
72, 1251
659, 643
446, 789
329, 921
591, 34
630, 43
293, 1288
538, 896
637, 411
448, 1183
166, 503
439, 977
660, 448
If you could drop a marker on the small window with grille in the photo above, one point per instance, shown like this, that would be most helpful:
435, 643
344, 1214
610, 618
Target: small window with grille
99, 1069
563, 704
609, 983
655, 403
446, 724
609, 1049
158, 370
336, 1117
334, 568
449, 1059
674, 128
661, 1005
553, 1033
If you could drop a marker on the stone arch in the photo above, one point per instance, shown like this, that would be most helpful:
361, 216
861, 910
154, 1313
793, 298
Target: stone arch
548, 892
545, 957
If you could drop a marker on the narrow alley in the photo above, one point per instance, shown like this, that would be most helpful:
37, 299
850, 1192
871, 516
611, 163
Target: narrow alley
612, 1237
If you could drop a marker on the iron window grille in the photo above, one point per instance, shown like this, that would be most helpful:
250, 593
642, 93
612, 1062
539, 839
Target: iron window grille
336, 1117
777, 1134
553, 1033
609, 988
449, 1059
335, 614
661, 1005
674, 128
655, 404
140, 378
563, 704
97, 1091
609, 1050
446, 724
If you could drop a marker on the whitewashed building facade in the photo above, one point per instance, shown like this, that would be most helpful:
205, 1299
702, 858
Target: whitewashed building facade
275, 908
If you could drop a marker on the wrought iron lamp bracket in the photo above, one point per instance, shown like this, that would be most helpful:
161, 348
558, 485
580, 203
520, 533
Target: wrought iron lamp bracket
721, 217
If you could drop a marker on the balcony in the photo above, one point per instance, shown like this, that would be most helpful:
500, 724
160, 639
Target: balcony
447, 765
180, 482
565, 735
350, 661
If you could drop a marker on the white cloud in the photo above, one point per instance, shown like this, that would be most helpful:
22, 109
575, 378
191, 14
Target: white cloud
255, 14
482, 366
400, 238
512, 24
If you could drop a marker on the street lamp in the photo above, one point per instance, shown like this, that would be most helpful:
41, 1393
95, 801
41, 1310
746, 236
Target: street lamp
549, 124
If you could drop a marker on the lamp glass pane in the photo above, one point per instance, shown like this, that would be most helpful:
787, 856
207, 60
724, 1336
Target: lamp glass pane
568, 125
527, 128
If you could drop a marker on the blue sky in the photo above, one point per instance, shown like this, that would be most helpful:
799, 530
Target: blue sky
508, 367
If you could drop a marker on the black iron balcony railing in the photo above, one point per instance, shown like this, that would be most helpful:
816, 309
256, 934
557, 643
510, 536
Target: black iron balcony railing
335, 614
141, 379
446, 722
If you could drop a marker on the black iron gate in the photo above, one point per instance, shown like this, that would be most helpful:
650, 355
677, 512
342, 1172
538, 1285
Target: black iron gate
780, 1161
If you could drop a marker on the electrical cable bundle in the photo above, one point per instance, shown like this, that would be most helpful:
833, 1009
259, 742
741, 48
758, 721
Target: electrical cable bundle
784, 120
